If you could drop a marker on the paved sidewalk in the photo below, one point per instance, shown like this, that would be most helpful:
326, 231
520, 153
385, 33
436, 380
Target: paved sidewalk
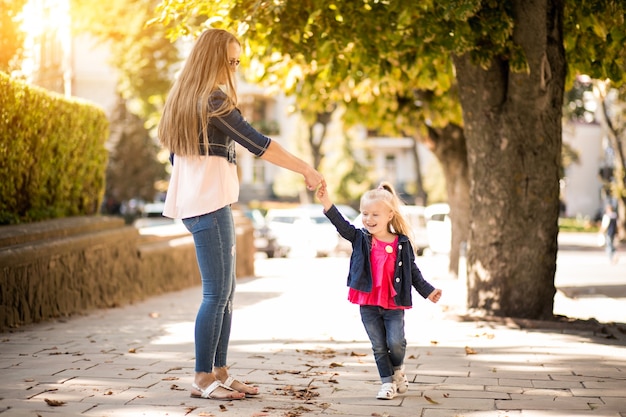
297, 338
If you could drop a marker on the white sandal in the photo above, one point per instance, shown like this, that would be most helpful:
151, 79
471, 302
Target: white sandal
206, 393
401, 381
387, 391
229, 383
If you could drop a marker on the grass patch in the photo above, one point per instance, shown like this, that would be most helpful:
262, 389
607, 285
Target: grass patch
577, 224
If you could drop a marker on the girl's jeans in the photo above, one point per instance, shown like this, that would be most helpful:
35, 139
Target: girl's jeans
385, 329
214, 239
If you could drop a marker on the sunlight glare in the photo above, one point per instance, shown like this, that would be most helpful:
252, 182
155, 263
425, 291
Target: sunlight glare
47, 25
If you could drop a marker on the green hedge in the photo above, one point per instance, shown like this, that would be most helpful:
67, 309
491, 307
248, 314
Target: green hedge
52, 154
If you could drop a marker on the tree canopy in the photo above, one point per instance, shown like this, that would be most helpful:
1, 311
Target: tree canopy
505, 63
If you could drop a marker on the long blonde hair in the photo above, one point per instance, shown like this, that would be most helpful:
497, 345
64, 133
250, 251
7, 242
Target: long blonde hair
387, 194
186, 109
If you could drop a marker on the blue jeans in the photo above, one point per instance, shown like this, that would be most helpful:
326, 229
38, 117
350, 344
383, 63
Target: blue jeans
609, 247
385, 329
214, 239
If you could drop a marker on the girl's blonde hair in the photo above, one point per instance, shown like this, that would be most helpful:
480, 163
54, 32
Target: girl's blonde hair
387, 194
186, 112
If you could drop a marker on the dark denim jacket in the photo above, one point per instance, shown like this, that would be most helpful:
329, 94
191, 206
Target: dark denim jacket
224, 131
406, 274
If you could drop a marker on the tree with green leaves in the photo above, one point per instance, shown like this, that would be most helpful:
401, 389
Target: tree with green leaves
506, 63
133, 167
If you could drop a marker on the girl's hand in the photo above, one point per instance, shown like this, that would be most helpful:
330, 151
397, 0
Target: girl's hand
322, 195
435, 295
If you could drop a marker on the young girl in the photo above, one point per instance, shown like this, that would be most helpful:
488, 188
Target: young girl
382, 272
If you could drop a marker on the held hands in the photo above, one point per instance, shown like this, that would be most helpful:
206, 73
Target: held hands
435, 295
314, 179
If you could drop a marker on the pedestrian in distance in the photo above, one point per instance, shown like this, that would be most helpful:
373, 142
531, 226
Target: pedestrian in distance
381, 277
199, 126
608, 228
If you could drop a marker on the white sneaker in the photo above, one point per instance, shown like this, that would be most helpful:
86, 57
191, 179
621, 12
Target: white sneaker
387, 391
402, 383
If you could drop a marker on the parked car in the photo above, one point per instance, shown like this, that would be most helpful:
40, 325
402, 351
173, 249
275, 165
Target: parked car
303, 230
439, 227
264, 239
416, 217
343, 246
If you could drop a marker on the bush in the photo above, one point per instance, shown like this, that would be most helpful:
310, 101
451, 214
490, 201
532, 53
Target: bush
52, 152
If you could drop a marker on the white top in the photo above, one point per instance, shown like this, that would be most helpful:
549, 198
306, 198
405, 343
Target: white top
200, 185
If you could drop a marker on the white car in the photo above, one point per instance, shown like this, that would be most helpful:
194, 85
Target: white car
439, 227
303, 230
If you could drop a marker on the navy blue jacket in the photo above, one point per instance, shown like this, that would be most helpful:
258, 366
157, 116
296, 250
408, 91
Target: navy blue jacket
406, 274
224, 131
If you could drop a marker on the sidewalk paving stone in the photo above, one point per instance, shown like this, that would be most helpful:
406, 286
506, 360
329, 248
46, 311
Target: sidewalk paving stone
314, 359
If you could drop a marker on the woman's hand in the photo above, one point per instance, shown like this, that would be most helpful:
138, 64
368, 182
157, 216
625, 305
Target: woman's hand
314, 179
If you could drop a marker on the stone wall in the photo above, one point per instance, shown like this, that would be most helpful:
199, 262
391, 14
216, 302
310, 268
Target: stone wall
70, 266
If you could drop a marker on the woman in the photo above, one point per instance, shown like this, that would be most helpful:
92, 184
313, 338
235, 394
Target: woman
199, 126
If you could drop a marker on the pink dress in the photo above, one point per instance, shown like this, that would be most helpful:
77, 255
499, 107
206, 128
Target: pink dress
383, 261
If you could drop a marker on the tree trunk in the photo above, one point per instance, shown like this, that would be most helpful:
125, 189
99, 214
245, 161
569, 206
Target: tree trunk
448, 145
421, 197
512, 124
316, 140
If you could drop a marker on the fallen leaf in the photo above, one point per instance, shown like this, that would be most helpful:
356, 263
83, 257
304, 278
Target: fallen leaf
132, 350
261, 414
170, 378
470, 351
223, 407
434, 342
335, 365
411, 356
294, 372
430, 400
205, 414
54, 403
108, 393
357, 354
446, 395
154, 315
188, 410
